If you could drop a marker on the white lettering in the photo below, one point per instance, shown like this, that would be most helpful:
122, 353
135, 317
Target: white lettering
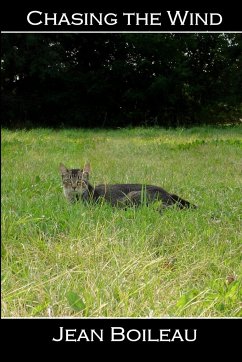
197, 17
212, 15
60, 337
177, 334
64, 19
77, 19
113, 19
164, 334
70, 334
129, 17
47, 18
134, 339
117, 331
92, 16
177, 15
83, 335
139, 18
150, 339
155, 17
34, 12
99, 336
194, 335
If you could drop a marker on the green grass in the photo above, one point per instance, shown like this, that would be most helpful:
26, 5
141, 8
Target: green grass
76, 260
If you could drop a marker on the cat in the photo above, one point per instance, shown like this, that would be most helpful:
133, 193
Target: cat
76, 187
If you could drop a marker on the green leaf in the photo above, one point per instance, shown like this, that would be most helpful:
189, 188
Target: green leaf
182, 301
75, 301
186, 298
220, 307
39, 308
233, 290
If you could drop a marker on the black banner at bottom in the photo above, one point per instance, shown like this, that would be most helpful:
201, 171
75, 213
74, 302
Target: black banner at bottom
103, 335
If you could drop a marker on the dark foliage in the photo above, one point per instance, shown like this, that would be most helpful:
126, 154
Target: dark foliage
116, 80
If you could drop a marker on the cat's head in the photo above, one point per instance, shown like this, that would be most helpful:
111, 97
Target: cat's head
75, 181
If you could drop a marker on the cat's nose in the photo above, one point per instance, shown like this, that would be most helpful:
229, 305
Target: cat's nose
74, 187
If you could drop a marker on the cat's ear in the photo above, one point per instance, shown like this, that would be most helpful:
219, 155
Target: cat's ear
63, 169
86, 170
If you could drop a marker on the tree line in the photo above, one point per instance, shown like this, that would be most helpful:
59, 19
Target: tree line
117, 80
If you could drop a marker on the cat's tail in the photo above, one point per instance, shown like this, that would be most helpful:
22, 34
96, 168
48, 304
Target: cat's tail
181, 203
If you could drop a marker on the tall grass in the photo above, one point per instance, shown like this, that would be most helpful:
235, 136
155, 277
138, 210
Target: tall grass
76, 260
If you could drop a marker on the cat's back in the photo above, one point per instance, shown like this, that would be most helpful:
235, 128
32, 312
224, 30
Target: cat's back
113, 192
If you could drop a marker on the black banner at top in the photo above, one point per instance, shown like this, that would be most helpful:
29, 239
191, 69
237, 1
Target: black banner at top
82, 18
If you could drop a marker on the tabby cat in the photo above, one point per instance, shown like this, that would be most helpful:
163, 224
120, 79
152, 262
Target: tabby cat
76, 186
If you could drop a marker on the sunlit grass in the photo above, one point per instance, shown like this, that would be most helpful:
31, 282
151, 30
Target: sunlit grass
76, 260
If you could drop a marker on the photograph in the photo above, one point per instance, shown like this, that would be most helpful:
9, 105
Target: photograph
121, 175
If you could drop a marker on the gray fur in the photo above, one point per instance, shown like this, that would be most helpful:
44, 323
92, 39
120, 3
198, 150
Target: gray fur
76, 186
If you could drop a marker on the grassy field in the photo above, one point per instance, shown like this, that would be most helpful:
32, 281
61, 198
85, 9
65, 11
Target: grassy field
76, 260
